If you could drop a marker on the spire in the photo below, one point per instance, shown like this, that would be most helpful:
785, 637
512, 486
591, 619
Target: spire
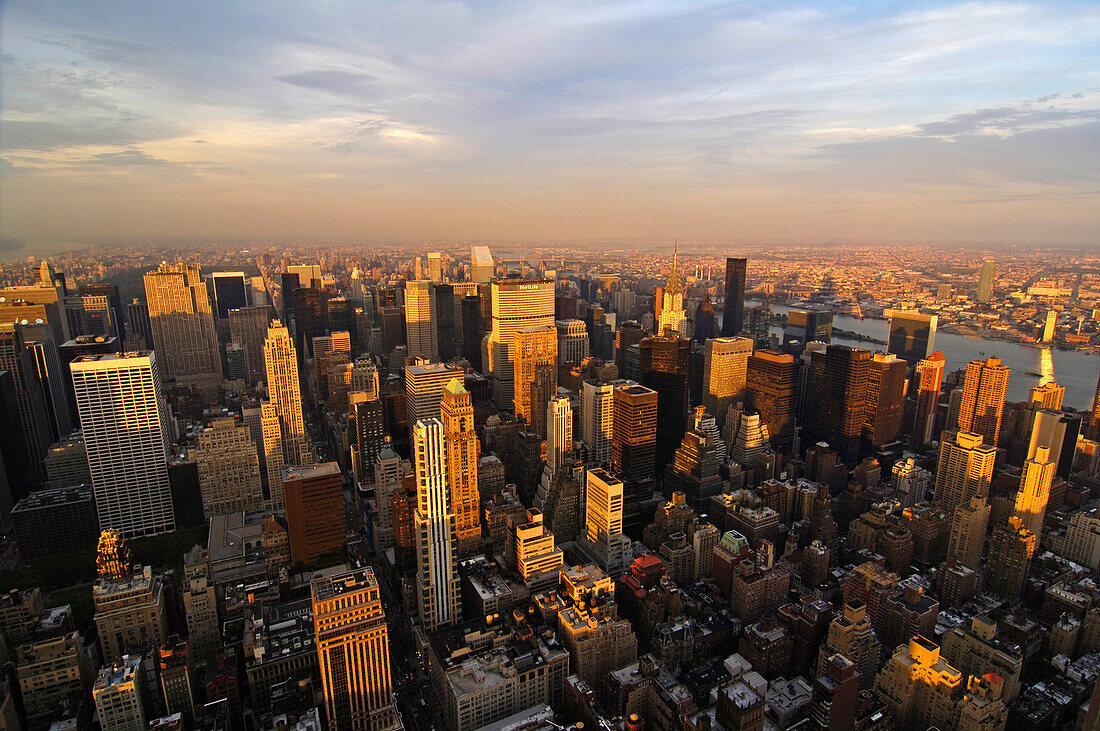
675, 283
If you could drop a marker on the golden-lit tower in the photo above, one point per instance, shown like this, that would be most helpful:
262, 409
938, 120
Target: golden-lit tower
1034, 492
929, 378
983, 398
434, 527
112, 559
1049, 395
184, 335
421, 320
462, 453
353, 652
285, 393
673, 316
536, 374
964, 469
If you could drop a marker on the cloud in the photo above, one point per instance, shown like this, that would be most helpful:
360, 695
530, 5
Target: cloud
334, 81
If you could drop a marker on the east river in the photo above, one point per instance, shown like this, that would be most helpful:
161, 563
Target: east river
1075, 370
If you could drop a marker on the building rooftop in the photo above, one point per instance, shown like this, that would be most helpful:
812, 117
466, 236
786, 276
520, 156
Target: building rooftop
118, 673
321, 469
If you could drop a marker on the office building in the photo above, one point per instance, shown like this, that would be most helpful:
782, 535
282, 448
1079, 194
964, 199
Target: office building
912, 335
182, 320
462, 454
200, 606
436, 560
1049, 395
985, 282
884, 402
55, 520
52, 677
604, 543
975, 649
928, 380
1011, 547
109, 294
534, 553
964, 469
367, 423
734, 302
983, 399
919, 687
838, 399
421, 318
54, 381
1094, 423
664, 367
284, 392
535, 359
314, 494
248, 329
705, 323
673, 320
597, 420
118, 695
125, 416
424, 386
1082, 542
771, 389
269, 447
130, 613
229, 468
694, 470
435, 267
634, 447
517, 304
231, 290
482, 269
353, 653
807, 325
572, 341
590, 628
851, 635
1034, 491
725, 374
968, 526
17, 359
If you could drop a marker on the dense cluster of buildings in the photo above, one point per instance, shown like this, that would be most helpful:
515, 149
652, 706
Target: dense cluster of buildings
470, 494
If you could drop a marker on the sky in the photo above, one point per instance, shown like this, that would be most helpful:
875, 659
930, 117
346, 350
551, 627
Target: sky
633, 120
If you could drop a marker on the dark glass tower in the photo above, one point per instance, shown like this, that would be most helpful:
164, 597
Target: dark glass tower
837, 399
733, 317
664, 366
471, 330
445, 321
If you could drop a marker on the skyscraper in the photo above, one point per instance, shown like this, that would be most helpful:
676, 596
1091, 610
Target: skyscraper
983, 398
572, 341
231, 291
248, 329
446, 320
1011, 546
664, 366
482, 269
808, 325
634, 432
200, 606
314, 496
1049, 395
284, 390
424, 386
535, 356
597, 420
436, 559
559, 434
125, 423
517, 304
604, 543
1094, 424
182, 321
964, 469
114, 300
885, 401
17, 358
771, 384
462, 454
734, 307
725, 374
1034, 492
353, 652
985, 281
229, 468
912, 334
435, 267
968, 526
838, 399
929, 380
673, 318
420, 320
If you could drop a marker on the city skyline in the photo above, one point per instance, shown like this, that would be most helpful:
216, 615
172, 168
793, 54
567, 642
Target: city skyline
968, 122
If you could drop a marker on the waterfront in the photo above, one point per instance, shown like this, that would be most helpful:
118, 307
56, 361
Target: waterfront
1075, 370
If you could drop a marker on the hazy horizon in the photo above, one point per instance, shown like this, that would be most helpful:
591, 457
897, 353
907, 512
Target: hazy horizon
965, 124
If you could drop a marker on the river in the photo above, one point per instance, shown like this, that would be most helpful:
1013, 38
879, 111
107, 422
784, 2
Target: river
1076, 371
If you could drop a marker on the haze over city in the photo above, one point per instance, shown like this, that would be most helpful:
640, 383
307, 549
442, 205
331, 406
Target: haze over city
640, 121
